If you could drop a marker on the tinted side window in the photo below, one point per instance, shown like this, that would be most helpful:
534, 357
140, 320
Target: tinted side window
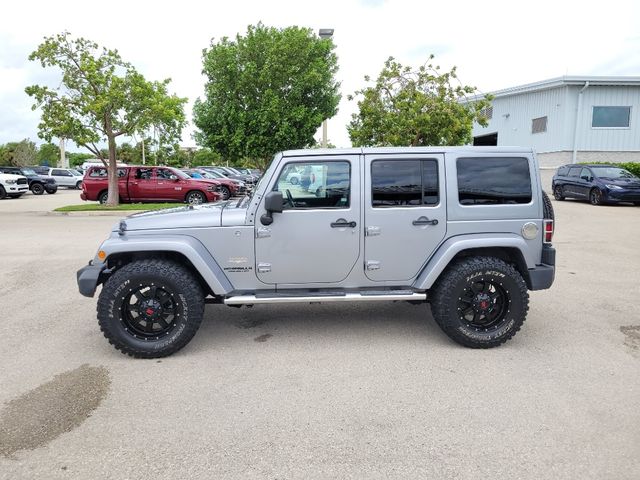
492, 181
563, 171
98, 172
164, 173
585, 173
143, 173
574, 171
404, 183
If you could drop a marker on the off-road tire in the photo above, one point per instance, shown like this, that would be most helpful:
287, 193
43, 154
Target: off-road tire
558, 193
169, 276
37, 188
225, 192
3, 193
595, 197
458, 278
195, 197
51, 191
547, 209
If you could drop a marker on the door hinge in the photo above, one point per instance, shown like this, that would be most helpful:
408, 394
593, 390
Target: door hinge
264, 267
372, 231
263, 232
373, 265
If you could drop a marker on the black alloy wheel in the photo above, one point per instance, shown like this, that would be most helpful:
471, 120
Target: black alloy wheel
150, 311
558, 192
483, 305
37, 188
595, 196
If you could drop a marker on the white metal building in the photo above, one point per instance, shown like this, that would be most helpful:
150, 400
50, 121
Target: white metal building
568, 119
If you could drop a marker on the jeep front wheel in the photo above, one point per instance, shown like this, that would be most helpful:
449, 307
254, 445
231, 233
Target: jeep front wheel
480, 302
150, 308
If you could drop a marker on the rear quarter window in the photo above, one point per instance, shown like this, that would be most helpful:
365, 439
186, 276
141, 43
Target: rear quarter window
563, 171
493, 180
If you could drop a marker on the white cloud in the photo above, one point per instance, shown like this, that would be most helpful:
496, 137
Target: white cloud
497, 45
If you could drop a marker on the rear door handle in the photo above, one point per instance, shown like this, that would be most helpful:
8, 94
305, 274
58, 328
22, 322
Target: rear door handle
342, 223
425, 221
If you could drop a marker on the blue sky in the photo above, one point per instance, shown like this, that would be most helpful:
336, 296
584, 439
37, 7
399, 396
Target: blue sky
496, 45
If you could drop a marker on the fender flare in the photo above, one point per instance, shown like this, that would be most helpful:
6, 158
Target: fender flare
450, 248
190, 247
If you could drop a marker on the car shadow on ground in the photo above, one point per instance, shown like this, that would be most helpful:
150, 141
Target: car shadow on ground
261, 323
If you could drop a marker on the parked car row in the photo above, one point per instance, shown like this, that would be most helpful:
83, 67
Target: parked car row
599, 184
143, 183
36, 183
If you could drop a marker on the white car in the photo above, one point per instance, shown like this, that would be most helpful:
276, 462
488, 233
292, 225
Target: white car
66, 177
13, 186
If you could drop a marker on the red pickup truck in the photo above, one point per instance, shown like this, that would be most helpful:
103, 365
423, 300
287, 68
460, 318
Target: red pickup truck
150, 184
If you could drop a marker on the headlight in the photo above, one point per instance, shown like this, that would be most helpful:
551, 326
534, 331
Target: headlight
11, 182
613, 187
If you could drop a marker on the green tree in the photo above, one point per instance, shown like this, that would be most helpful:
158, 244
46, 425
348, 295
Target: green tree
100, 98
206, 156
20, 154
48, 154
415, 107
77, 158
267, 91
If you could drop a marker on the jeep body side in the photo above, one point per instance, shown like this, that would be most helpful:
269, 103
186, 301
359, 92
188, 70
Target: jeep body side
466, 229
149, 184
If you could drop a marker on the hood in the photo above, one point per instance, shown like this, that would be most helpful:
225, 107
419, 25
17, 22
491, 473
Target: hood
621, 182
188, 216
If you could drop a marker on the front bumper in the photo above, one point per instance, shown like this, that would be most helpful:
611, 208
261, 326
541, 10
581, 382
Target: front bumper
88, 278
625, 195
541, 277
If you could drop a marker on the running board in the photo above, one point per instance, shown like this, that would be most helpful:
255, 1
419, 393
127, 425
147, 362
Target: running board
343, 297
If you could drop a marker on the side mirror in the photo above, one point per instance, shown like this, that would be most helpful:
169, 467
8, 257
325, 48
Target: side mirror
173, 177
586, 178
272, 204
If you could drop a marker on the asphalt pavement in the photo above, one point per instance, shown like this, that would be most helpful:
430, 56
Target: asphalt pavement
320, 391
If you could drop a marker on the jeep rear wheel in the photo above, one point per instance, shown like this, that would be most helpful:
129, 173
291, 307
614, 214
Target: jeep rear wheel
480, 302
150, 308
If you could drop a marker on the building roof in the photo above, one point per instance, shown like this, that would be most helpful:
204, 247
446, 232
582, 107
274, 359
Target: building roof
565, 81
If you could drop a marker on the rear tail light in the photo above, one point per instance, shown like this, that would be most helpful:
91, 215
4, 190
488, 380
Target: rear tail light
548, 231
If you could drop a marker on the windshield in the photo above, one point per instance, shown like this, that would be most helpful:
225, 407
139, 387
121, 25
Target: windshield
28, 171
180, 174
612, 172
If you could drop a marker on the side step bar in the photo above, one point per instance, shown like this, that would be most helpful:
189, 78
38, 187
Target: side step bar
345, 297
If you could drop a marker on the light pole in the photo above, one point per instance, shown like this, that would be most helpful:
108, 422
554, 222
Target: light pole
325, 33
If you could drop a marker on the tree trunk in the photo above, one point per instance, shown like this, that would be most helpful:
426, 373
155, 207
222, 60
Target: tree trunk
112, 171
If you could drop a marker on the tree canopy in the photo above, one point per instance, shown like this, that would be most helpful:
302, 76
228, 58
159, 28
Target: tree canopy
100, 98
266, 91
407, 107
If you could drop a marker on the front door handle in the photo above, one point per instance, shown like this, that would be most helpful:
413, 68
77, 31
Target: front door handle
425, 221
342, 223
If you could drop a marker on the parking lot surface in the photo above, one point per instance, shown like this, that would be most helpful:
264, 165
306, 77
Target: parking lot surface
321, 391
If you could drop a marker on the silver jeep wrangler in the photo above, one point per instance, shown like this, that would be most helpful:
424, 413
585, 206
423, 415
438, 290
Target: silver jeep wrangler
466, 229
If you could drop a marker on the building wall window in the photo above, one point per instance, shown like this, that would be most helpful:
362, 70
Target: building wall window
487, 112
611, 117
539, 125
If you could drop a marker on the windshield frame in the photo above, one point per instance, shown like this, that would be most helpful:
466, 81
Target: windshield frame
625, 173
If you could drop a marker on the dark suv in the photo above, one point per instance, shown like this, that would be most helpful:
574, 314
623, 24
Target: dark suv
37, 184
597, 183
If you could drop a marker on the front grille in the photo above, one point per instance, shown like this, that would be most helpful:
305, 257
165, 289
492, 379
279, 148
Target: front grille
22, 181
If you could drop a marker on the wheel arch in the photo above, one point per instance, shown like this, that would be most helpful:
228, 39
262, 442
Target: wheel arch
187, 251
508, 247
